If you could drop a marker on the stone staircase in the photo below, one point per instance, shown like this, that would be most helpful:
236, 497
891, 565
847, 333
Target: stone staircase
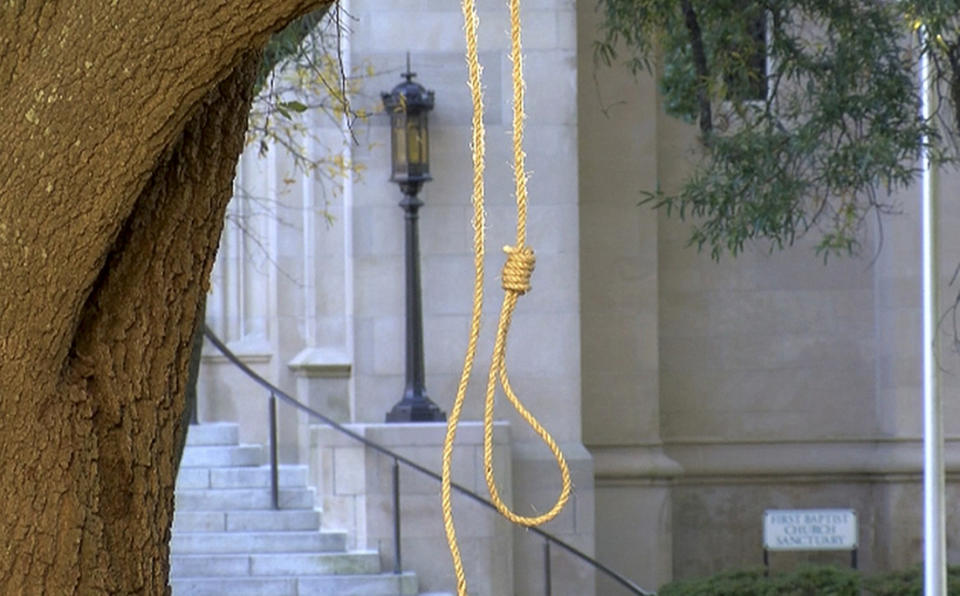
227, 540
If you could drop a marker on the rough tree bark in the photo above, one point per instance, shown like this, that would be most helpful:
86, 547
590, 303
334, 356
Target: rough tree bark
120, 123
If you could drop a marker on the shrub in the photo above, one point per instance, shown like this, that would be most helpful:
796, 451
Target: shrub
908, 582
819, 580
806, 581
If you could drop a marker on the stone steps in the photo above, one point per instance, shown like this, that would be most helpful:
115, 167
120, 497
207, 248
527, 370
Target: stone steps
225, 499
343, 585
227, 539
246, 521
258, 542
273, 564
214, 433
206, 456
240, 477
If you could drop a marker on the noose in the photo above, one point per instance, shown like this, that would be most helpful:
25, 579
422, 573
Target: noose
515, 281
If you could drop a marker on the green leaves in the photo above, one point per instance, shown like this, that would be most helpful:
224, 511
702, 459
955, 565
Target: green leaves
303, 82
285, 107
813, 580
288, 45
807, 580
815, 137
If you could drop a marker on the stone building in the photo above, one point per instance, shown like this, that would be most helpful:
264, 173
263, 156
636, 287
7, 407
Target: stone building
688, 395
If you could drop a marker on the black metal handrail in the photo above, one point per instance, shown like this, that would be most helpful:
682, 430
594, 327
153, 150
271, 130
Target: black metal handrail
276, 392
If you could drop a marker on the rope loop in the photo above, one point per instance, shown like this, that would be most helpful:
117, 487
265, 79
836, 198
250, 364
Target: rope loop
518, 269
515, 280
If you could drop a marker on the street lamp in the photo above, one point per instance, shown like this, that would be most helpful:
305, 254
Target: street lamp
408, 105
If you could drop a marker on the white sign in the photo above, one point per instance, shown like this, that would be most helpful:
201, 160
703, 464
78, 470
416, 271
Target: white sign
810, 529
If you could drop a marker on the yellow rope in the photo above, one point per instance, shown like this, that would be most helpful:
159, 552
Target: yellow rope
516, 282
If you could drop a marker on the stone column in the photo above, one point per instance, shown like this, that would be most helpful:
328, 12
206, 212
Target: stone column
620, 293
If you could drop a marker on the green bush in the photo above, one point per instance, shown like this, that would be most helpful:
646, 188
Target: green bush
806, 581
908, 583
809, 581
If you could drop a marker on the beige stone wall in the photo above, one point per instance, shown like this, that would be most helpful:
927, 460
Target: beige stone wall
713, 391
719, 501
544, 352
767, 345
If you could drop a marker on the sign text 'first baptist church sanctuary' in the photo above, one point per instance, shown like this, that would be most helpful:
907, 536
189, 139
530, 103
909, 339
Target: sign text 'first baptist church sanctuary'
810, 529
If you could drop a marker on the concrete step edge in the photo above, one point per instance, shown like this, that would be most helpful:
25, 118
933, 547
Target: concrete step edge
213, 433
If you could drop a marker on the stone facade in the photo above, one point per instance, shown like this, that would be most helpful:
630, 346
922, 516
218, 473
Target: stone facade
713, 391
689, 395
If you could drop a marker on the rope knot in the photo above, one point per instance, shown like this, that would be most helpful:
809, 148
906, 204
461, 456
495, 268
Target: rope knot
518, 269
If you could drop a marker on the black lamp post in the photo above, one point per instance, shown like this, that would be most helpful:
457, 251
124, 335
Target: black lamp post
408, 105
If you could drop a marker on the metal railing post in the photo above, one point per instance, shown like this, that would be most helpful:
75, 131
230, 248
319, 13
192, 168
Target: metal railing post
397, 563
192, 404
274, 471
547, 584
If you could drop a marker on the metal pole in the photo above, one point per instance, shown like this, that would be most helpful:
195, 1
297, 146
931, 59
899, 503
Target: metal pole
274, 472
397, 563
415, 406
194, 415
934, 535
416, 383
547, 582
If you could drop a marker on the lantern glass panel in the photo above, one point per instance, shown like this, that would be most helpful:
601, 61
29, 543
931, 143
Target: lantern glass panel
398, 127
424, 138
413, 142
417, 150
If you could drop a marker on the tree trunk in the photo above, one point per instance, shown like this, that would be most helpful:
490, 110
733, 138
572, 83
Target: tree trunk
121, 123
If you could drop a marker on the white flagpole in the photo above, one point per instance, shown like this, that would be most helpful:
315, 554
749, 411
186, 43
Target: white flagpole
934, 539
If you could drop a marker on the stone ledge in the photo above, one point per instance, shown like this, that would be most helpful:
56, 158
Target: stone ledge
863, 459
322, 363
408, 434
629, 462
254, 350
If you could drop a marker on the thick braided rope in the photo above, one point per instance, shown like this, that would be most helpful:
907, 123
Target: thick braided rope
471, 22
516, 282
523, 259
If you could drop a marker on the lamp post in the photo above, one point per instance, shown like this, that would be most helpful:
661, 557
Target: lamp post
408, 104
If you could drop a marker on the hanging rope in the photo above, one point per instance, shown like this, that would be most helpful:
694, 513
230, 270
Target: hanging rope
515, 281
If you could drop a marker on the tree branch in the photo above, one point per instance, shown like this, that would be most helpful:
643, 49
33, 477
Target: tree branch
700, 65
287, 42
